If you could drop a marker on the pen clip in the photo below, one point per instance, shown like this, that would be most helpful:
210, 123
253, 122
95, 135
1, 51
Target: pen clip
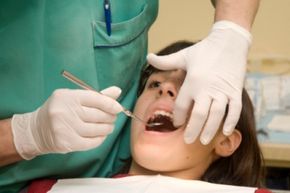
108, 19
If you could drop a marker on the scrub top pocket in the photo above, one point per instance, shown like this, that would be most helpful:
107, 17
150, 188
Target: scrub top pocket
120, 56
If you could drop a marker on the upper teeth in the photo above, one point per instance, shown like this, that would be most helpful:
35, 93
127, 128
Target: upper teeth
164, 113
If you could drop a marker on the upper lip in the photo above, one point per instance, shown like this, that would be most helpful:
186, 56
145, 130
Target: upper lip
159, 106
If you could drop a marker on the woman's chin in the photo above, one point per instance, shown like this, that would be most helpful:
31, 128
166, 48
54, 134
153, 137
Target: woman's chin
153, 157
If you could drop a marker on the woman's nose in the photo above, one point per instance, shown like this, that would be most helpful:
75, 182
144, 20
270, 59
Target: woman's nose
168, 89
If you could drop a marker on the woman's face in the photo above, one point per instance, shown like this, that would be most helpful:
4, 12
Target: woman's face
162, 149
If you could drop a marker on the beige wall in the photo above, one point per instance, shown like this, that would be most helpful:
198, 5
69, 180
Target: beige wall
192, 19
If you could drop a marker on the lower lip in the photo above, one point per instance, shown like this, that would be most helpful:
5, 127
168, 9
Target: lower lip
155, 133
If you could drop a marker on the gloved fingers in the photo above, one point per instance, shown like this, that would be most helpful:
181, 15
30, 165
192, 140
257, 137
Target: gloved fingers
168, 62
182, 104
197, 119
215, 117
94, 129
99, 101
92, 115
235, 107
114, 92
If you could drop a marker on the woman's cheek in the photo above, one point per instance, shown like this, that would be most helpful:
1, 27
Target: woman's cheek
141, 105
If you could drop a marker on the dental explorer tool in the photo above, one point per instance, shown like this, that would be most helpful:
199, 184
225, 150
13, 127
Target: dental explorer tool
85, 86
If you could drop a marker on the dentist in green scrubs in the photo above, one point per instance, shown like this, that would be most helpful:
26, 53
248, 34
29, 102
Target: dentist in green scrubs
50, 128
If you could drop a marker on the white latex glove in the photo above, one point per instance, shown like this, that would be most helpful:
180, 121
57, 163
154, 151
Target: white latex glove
70, 120
215, 74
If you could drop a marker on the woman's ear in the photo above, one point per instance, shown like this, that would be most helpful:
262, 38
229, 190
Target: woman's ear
227, 145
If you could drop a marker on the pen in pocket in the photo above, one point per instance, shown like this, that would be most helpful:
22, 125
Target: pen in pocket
108, 19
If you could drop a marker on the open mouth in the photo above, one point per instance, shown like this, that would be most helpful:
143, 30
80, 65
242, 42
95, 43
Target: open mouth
165, 119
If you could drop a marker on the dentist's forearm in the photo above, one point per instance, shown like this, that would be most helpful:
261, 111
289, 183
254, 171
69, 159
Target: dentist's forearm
241, 12
8, 153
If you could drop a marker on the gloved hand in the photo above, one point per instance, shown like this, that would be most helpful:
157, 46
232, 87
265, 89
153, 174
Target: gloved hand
70, 120
215, 74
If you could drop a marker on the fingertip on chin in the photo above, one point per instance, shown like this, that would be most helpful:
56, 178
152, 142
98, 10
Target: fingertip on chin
178, 122
188, 140
204, 140
189, 137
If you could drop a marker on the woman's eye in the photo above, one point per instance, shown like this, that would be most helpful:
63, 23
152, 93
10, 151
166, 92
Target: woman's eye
154, 84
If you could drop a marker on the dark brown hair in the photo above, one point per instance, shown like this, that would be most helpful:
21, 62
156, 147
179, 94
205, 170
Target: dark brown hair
244, 166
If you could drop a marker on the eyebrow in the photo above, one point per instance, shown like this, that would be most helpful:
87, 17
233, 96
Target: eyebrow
175, 79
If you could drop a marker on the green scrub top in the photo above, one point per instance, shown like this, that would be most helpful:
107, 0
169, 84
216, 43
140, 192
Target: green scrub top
39, 39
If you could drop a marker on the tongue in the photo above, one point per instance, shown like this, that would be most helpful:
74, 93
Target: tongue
166, 124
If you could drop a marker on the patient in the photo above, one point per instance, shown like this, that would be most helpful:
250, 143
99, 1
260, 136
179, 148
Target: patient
234, 159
